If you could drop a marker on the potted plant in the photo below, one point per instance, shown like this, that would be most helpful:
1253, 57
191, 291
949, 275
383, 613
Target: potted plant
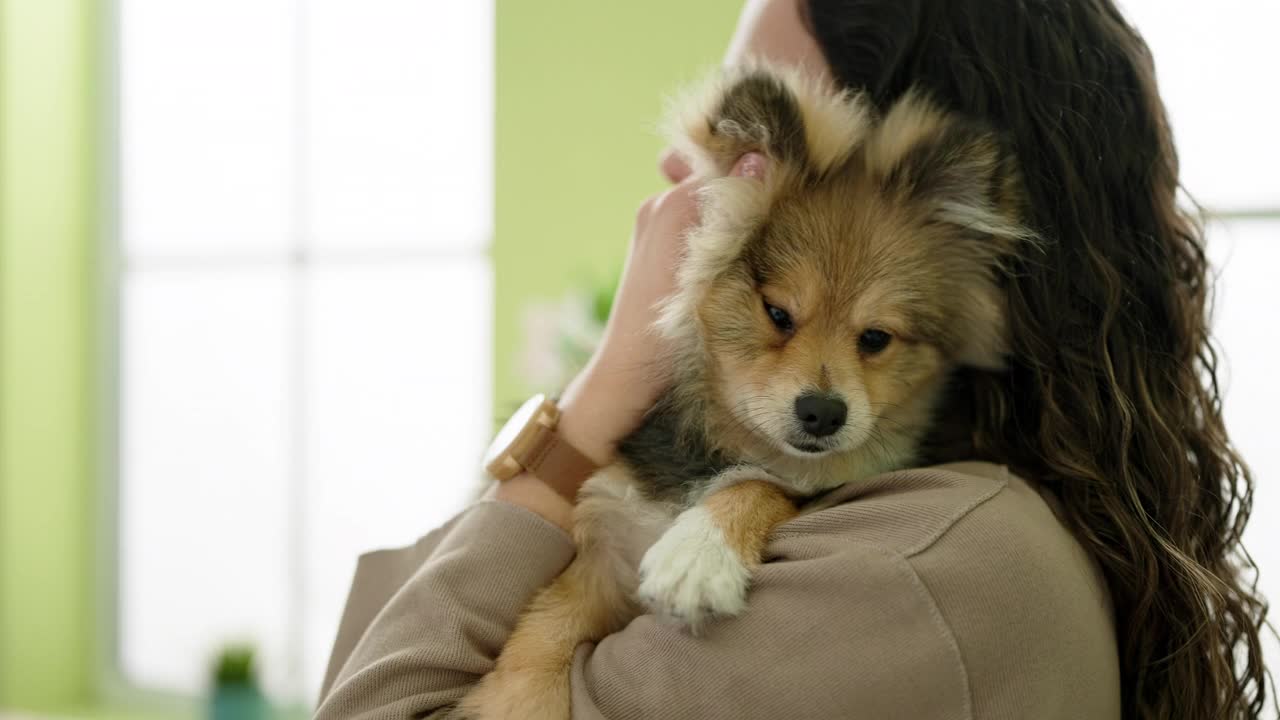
236, 694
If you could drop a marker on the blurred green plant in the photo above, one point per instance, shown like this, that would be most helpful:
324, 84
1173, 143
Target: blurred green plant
602, 301
235, 666
235, 694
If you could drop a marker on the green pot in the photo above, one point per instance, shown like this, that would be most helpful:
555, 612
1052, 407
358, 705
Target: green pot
238, 702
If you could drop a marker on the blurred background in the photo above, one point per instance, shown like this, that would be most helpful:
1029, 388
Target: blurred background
270, 271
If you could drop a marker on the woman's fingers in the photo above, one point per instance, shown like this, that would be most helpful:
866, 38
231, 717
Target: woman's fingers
676, 170
609, 398
673, 167
752, 165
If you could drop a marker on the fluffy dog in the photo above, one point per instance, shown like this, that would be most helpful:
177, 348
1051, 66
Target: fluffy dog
819, 313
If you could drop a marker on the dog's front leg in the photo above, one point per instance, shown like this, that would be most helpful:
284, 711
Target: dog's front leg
701, 567
593, 597
531, 678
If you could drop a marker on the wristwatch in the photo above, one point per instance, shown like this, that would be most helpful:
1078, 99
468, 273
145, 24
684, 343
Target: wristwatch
528, 442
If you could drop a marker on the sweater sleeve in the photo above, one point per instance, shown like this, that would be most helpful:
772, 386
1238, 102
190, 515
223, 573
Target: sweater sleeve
846, 631
850, 634
424, 623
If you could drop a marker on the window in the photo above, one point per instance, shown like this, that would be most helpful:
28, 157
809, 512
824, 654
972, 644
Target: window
1207, 56
305, 313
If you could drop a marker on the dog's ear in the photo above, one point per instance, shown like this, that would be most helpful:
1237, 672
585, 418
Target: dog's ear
799, 123
959, 177
956, 171
757, 113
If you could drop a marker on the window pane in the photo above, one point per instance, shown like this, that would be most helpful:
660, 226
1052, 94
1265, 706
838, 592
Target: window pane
203, 486
1248, 300
398, 106
1212, 61
206, 98
398, 415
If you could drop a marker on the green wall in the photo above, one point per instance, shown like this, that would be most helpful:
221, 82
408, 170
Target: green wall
48, 140
580, 88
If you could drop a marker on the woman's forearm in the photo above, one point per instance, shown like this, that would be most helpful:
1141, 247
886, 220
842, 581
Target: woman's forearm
424, 624
592, 420
532, 494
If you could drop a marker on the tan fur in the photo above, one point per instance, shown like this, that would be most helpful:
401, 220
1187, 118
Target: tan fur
531, 678
590, 599
911, 120
897, 225
836, 119
747, 513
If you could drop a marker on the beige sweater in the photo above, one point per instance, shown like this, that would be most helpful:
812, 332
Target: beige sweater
949, 592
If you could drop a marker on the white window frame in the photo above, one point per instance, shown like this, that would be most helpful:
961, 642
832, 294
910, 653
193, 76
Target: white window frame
114, 686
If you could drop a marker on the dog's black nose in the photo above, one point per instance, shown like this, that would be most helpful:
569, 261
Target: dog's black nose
821, 415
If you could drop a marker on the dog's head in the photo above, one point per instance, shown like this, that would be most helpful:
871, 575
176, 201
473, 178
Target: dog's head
822, 305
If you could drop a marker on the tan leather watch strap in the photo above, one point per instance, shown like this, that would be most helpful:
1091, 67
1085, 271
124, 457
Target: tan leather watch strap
529, 442
559, 465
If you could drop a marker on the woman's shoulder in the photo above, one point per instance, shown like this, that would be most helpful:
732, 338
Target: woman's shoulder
909, 512
975, 520
1025, 605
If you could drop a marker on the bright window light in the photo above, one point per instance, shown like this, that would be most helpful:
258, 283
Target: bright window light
399, 138
1208, 58
206, 122
306, 302
203, 505
396, 417
1246, 253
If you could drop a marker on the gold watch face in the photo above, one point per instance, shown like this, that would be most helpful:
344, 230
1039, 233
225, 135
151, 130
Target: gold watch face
499, 452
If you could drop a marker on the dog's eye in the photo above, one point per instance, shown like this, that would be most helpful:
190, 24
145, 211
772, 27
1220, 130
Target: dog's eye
873, 341
779, 317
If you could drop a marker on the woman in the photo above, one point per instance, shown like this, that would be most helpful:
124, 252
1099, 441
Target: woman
1096, 572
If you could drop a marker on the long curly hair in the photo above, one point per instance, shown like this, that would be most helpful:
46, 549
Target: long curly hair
1111, 401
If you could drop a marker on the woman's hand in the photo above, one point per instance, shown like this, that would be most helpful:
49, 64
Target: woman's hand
629, 369
627, 372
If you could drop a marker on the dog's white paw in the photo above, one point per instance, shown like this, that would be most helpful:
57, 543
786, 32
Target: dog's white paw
691, 574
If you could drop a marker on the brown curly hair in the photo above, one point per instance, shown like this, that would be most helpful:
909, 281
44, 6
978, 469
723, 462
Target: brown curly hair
1111, 401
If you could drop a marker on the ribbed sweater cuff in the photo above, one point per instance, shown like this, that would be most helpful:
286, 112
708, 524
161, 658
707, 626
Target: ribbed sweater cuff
530, 550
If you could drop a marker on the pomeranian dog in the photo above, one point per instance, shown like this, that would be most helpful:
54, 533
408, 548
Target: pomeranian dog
819, 312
